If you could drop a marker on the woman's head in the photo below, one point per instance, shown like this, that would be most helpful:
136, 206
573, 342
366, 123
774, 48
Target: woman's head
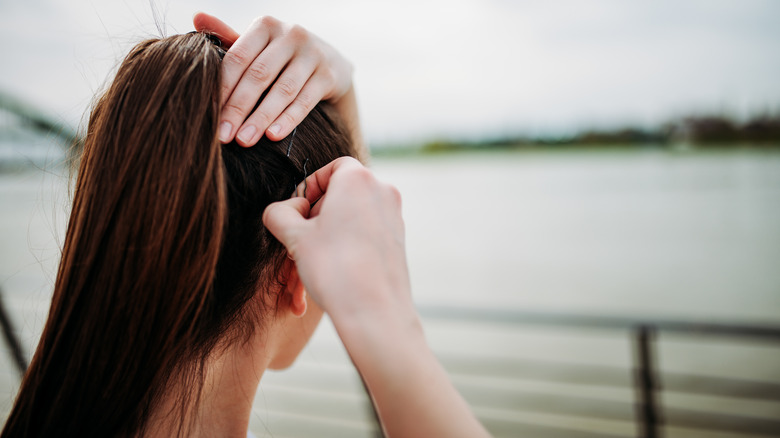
165, 256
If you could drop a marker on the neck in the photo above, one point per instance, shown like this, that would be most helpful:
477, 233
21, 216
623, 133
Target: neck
232, 377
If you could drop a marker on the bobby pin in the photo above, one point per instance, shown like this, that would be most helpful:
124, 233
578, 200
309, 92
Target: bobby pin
305, 177
292, 138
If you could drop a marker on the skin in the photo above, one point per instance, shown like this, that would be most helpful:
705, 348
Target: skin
233, 373
300, 69
357, 221
348, 218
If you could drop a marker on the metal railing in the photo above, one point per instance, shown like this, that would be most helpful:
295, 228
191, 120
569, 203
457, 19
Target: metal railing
645, 378
11, 339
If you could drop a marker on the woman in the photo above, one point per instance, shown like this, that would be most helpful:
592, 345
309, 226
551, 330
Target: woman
173, 295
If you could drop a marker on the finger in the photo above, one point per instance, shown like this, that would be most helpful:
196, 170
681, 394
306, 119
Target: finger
242, 60
287, 88
210, 24
306, 99
285, 219
242, 54
317, 183
257, 78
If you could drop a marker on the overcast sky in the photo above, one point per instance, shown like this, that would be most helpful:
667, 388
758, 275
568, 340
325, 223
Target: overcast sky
447, 68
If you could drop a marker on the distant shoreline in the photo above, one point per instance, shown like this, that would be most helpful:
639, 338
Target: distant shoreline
28, 136
687, 133
454, 148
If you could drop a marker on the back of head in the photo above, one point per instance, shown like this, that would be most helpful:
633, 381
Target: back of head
165, 251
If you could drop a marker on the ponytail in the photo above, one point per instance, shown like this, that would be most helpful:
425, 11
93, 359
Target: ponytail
140, 253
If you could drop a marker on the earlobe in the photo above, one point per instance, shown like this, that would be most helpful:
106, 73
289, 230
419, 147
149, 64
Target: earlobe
295, 288
299, 301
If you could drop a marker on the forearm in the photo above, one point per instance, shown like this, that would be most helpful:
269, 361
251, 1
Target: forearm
412, 393
350, 255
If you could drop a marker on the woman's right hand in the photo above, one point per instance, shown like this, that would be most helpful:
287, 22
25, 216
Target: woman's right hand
349, 251
349, 248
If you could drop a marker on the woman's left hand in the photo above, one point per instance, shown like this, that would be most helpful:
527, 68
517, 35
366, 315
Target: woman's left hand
299, 68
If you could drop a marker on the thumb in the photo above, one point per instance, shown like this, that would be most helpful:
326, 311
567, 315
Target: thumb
210, 24
285, 219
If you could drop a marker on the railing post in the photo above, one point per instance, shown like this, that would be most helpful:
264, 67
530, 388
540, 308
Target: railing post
10, 338
648, 420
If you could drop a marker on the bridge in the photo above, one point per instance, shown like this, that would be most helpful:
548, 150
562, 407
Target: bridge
18, 119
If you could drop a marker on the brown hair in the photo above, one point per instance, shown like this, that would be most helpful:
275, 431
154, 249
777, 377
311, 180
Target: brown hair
165, 249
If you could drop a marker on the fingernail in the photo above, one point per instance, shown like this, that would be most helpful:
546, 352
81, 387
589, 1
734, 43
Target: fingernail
246, 134
274, 129
225, 128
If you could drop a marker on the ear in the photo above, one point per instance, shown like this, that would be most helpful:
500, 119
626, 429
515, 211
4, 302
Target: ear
297, 294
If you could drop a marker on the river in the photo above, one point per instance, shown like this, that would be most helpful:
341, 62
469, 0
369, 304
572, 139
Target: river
651, 233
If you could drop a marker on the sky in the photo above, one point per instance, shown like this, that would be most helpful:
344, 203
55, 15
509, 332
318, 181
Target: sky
446, 69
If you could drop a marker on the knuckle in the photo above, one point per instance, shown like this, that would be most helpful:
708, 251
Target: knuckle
258, 72
225, 91
267, 21
344, 160
232, 108
395, 194
298, 34
258, 21
287, 87
319, 52
261, 118
236, 56
295, 113
288, 119
348, 168
328, 75
305, 102
363, 175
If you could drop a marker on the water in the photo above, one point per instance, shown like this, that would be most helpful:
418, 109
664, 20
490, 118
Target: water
630, 233
626, 233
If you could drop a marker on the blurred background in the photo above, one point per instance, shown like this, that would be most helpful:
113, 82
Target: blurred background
591, 194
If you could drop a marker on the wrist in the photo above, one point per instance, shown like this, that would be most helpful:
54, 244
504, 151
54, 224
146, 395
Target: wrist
384, 333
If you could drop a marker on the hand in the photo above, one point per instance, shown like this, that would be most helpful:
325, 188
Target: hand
349, 251
300, 68
349, 248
